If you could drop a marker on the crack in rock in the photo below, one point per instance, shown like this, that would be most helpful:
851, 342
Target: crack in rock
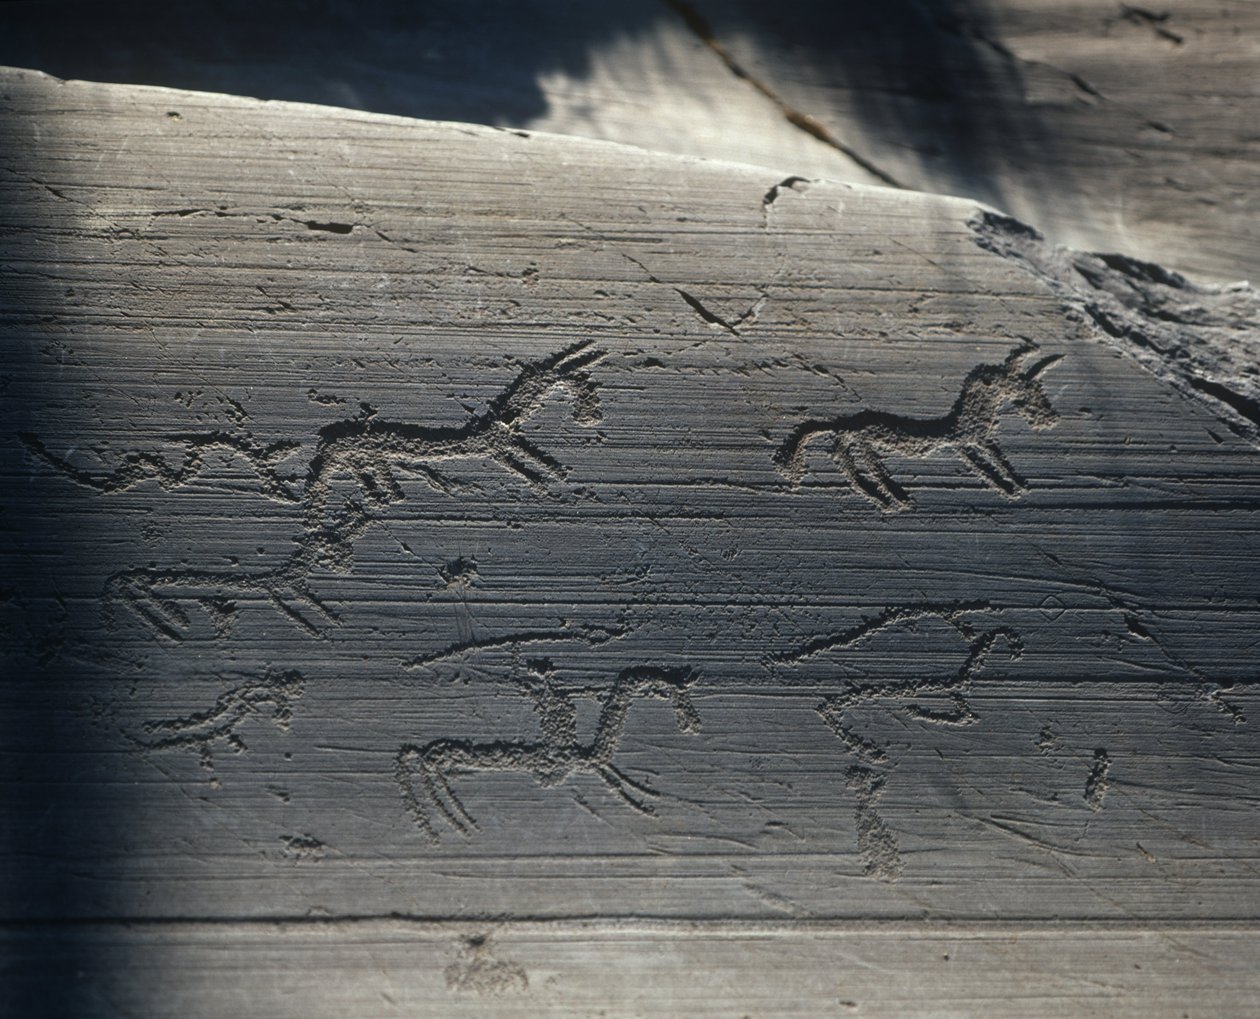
1201, 339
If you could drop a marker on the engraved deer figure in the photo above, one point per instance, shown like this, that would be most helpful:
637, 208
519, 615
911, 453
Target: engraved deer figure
275, 692
370, 452
951, 687
859, 441
867, 777
424, 773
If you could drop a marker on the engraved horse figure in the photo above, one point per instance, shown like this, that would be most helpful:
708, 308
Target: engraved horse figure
372, 454
859, 441
424, 773
274, 694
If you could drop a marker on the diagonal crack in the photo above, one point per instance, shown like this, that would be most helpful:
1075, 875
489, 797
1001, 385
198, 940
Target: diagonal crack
813, 127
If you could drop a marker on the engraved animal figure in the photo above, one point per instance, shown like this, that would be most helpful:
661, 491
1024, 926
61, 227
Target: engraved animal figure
373, 454
271, 696
952, 687
867, 778
137, 467
969, 429
424, 773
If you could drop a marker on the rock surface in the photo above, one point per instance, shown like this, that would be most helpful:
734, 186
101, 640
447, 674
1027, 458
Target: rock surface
454, 568
1110, 126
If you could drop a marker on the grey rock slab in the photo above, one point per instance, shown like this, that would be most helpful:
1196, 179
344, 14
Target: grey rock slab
1110, 126
394, 967
418, 519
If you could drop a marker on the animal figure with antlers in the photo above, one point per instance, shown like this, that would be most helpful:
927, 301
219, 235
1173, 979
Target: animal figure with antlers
969, 429
424, 773
371, 452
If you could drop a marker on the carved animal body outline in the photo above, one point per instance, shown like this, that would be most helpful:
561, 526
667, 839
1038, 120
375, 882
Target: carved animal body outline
953, 687
968, 428
205, 728
423, 772
374, 453
867, 777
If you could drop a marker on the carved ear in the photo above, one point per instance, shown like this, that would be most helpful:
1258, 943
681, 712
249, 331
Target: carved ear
1026, 347
573, 359
1039, 366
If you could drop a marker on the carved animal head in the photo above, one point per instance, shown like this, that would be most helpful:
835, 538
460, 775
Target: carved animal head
280, 690
1023, 390
564, 371
670, 684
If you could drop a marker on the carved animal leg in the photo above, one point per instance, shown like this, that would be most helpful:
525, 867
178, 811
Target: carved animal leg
448, 803
437, 791
544, 461
876, 842
685, 712
832, 712
403, 775
286, 598
620, 783
989, 463
866, 473
162, 614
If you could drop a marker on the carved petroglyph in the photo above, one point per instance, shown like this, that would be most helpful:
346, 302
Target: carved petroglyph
424, 772
969, 429
881, 855
373, 453
135, 467
477, 971
867, 778
589, 634
271, 697
1096, 783
952, 688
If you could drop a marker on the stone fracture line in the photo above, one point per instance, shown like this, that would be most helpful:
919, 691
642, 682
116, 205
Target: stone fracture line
370, 451
424, 772
969, 430
273, 695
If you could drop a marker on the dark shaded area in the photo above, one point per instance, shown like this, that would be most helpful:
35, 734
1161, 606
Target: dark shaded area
927, 77
477, 62
45, 802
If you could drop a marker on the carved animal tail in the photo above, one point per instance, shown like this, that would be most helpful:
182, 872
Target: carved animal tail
790, 458
409, 756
